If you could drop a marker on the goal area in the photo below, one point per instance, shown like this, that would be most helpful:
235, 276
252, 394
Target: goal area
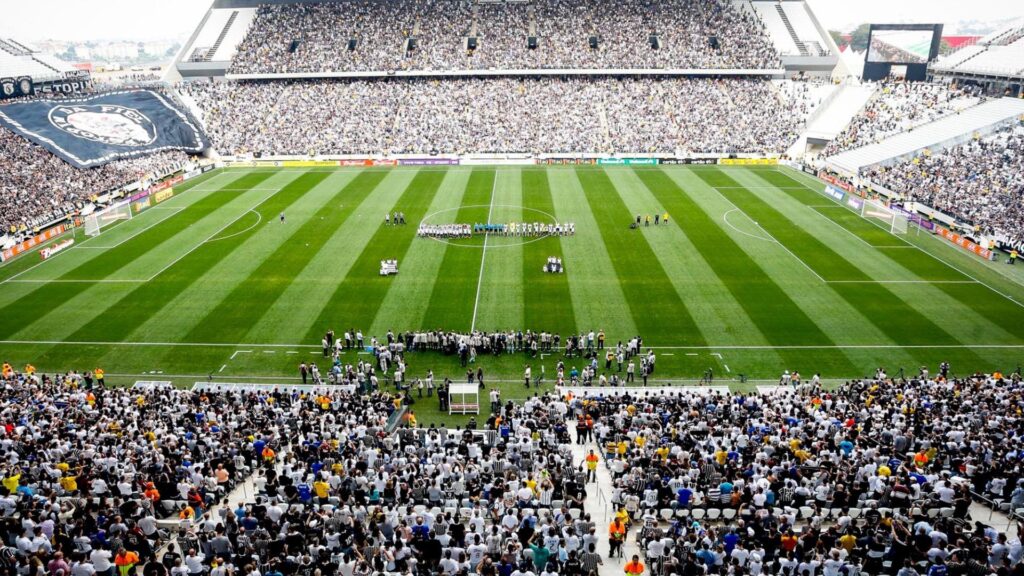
95, 223
891, 220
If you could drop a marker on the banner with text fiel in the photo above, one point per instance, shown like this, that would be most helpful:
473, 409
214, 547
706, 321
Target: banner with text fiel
92, 131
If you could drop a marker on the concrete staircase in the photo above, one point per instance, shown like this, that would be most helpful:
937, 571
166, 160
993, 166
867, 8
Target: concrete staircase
800, 45
220, 38
832, 116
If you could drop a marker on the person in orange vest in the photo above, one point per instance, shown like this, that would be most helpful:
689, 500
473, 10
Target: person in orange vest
268, 456
99, 376
8, 370
29, 370
616, 537
125, 562
151, 492
592, 466
635, 567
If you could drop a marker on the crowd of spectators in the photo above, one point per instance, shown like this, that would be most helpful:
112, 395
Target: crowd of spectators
479, 115
291, 38
901, 106
980, 183
871, 478
37, 187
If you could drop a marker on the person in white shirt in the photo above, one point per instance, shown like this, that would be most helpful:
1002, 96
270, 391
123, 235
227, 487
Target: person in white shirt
101, 561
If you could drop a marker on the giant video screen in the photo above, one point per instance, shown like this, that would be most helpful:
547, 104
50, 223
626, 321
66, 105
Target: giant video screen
903, 46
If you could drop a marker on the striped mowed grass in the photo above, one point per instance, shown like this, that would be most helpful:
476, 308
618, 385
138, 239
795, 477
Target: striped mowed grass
755, 272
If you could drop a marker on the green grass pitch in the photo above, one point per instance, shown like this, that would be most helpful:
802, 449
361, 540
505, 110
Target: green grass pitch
757, 271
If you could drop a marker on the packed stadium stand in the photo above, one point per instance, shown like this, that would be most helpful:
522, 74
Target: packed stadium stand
978, 182
571, 482
501, 115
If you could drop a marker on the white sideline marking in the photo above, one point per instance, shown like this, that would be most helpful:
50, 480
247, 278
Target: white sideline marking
237, 352
291, 352
688, 354
222, 368
483, 257
971, 276
726, 367
221, 229
903, 282
268, 351
12, 281
716, 354
668, 354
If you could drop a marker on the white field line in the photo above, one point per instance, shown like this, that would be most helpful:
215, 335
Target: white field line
259, 218
773, 238
725, 218
235, 190
483, 257
723, 347
971, 276
105, 281
903, 282
843, 228
208, 238
176, 210
237, 352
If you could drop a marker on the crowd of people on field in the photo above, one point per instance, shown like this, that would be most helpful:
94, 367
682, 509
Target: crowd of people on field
525, 115
980, 182
440, 35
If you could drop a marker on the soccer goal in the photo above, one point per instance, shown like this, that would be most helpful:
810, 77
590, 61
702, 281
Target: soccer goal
892, 220
95, 222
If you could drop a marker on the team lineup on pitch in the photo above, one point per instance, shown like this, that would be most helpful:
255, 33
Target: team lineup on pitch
756, 269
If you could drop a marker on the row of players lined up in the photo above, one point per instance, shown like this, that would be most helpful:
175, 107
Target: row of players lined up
525, 229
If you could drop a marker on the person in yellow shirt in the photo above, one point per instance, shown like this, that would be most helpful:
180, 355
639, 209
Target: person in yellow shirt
99, 374
721, 456
8, 370
622, 448
69, 483
12, 482
30, 369
322, 490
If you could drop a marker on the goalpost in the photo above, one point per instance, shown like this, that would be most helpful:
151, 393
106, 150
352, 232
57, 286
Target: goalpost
893, 221
95, 222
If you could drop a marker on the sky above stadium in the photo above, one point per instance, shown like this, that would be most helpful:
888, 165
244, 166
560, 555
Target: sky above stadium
81, 20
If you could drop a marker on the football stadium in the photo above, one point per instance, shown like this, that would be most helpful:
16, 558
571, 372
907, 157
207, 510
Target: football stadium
516, 288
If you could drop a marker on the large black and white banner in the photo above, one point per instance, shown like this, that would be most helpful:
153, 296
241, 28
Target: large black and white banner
95, 130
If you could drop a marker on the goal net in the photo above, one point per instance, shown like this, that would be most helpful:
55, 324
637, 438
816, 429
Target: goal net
96, 221
893, 221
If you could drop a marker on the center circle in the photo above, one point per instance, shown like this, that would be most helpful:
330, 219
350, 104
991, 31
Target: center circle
450, 216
